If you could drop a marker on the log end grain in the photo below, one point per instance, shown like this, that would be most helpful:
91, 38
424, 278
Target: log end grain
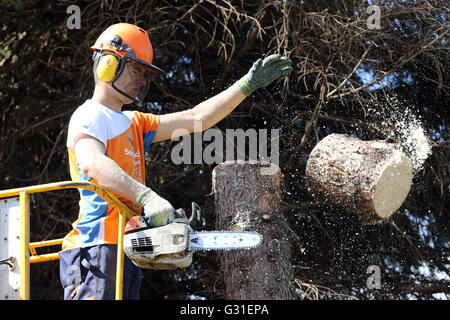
393, 187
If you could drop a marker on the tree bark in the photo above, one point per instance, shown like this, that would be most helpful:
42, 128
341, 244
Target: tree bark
370, 178
247, 197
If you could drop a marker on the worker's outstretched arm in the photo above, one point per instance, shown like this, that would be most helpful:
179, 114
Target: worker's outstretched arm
211, 111
107, 174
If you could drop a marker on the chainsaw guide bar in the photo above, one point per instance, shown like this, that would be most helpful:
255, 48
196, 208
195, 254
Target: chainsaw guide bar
223, 240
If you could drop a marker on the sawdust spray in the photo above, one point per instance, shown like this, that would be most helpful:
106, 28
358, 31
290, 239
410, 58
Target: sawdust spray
405, 128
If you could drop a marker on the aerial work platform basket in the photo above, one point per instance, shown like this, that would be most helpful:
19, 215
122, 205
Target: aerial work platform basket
16, 251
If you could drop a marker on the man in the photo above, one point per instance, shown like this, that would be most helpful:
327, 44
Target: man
106, 146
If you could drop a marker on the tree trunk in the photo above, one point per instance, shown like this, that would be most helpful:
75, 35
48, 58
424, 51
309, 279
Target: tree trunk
247, 197
370, 178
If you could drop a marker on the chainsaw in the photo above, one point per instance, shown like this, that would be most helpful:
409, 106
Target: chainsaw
172, 246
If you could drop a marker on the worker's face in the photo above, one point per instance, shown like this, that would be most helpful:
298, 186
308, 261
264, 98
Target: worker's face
133, 81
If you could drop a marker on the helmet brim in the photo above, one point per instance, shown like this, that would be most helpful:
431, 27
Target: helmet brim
149, 66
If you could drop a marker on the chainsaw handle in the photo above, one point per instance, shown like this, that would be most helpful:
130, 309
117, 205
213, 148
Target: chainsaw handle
196, 214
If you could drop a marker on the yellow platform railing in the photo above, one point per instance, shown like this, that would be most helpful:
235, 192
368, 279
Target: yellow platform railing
26, 247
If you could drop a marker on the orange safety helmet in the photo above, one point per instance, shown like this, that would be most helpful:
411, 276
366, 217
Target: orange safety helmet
126, 42
127, 39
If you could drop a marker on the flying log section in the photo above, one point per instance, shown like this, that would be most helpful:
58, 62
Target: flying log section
370, 178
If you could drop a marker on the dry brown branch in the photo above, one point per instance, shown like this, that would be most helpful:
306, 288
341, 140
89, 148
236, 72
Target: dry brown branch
310, 291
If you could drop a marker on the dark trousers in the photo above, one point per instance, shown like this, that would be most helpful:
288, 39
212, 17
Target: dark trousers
90, 273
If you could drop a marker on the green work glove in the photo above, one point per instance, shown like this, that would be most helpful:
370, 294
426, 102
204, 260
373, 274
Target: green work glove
157, 211
264, 72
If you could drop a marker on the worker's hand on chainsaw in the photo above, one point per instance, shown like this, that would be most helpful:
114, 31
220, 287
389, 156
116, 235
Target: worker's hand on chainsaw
264, 72
157, 211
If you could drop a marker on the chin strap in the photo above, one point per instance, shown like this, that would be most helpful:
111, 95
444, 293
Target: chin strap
123, 61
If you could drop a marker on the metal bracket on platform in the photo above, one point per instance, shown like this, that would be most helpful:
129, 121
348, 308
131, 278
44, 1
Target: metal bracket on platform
9, 262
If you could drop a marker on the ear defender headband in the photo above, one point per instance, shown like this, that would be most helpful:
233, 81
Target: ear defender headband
108, 64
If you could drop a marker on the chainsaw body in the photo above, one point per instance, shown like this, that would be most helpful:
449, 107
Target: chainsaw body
163, 248
160, 248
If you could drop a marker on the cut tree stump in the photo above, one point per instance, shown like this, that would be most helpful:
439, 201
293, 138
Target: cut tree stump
247, 197
370, 178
